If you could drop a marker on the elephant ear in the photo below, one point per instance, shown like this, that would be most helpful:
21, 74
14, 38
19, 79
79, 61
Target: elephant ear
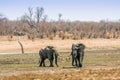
50, 47
55, 51
74, 46
82, 46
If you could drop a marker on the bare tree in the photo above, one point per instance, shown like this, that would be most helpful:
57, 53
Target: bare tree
59, 16
34, 21
33, 18
39, 13
29, 18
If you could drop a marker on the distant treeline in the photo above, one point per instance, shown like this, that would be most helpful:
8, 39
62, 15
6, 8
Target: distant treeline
61, 29
35, 25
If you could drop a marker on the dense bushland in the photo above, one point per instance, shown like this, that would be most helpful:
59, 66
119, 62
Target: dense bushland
62, 29
40, 27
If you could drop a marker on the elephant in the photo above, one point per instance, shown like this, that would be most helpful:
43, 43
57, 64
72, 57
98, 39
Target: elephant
48, 52
77, 54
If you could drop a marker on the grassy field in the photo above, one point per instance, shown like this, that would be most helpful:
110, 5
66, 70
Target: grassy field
97, 65
101, 61
35, 46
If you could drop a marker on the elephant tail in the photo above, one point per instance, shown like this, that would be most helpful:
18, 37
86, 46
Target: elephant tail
56, 56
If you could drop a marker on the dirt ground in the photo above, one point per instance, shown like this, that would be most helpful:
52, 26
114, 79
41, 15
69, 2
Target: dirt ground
101, 62
66, 74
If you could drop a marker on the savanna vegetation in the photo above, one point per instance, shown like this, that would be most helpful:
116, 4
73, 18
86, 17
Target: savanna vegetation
35, 24
102, 41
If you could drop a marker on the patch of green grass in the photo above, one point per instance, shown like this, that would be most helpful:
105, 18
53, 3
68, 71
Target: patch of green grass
103, 58
31, 61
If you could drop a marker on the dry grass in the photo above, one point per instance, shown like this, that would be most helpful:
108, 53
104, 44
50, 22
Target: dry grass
71, 74
101, 62
34, 46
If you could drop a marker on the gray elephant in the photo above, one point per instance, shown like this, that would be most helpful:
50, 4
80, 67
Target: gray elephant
77, 54
48, 52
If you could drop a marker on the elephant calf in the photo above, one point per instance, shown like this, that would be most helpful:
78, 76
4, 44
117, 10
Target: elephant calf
48, 52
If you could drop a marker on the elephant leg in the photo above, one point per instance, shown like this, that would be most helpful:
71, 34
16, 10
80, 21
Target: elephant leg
41, 61
51, 58
80, 64
73, 62
82, 56
79, 61
76, 62
78, 58
51, 62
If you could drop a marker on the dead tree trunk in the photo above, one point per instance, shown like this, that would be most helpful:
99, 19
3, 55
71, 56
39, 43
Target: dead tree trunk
22, 49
